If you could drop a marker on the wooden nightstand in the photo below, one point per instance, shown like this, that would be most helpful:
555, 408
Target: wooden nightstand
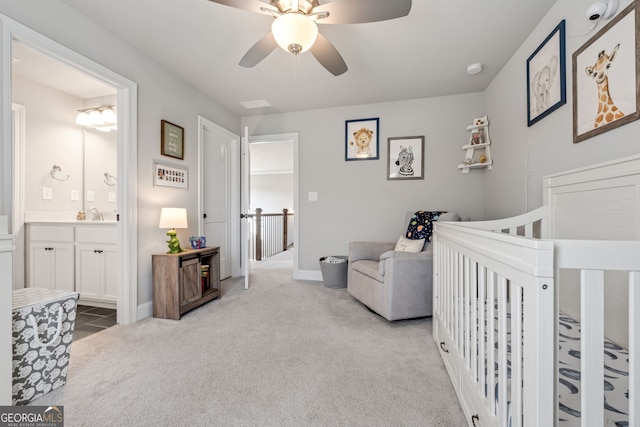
184, 281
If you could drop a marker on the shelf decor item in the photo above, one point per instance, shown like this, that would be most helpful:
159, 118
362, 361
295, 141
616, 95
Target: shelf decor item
361, 139
173, 218
405, 158
478, 149
546, 76
606, 93
171, 140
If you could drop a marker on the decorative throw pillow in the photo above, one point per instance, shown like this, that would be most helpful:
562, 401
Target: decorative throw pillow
409, 245
420, 225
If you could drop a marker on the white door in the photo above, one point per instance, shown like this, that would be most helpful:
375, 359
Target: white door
216, 188
245, 206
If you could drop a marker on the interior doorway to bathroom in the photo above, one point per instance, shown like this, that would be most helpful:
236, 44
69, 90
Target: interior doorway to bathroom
63, 81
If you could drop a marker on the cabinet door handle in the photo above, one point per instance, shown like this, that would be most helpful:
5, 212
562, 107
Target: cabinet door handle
443, 347
474, 419
97, 251
48, 249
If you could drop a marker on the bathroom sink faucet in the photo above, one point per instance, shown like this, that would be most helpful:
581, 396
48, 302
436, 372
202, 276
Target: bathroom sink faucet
97, 215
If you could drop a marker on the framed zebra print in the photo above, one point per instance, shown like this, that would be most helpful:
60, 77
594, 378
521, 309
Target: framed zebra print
406, 158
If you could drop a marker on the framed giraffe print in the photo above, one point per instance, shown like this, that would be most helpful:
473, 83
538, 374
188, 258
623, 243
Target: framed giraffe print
405, 158
546, 76
606, 89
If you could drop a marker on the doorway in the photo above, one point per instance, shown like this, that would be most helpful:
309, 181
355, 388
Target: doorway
273, 187
124, 92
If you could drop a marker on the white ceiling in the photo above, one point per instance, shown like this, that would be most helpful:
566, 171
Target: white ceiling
424, 54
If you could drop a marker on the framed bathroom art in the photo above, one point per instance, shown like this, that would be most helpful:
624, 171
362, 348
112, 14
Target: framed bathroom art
606, 79
405, 158
361, 139
546, 76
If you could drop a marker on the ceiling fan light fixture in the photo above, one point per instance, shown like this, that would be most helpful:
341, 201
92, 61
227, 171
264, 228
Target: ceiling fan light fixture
294, 32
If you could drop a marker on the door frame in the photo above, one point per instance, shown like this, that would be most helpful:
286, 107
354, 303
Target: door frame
293, 137
127, 228
234, 212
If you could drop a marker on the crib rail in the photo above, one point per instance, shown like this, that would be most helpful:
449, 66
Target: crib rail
489, 285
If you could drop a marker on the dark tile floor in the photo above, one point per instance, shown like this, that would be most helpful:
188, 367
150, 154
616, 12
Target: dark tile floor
90, 320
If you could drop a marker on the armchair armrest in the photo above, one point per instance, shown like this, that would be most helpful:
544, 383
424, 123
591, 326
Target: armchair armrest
369, 250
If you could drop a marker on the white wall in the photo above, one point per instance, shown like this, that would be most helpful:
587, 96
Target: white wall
272, 192
161, 95
51, 138
355, 199
549, 141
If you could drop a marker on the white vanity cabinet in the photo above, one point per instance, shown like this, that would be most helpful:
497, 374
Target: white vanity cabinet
51, 257
96, 263
75, 257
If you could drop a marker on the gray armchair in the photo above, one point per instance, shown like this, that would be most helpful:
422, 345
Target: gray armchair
396, 285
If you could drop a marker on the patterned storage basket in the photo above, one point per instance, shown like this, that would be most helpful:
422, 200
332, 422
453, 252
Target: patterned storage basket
43, 321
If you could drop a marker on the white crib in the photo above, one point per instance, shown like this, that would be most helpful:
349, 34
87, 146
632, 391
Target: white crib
493, 278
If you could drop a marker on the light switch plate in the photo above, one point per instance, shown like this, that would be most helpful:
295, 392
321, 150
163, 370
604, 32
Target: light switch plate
75, 195
313, 196
47, 193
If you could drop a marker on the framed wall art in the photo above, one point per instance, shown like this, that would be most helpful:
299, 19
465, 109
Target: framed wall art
361, 139
546, 76
165, 175
406, 158
606, 93
171, 140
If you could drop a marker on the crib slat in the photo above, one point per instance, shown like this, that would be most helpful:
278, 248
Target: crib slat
634, 349
474, 319
467, 315
491, 341
503, 340
516, 354
591, 346
482, 311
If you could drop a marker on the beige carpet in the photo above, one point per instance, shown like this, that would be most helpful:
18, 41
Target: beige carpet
284, 353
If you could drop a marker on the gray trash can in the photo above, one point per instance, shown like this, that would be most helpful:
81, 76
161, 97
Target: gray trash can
334, 271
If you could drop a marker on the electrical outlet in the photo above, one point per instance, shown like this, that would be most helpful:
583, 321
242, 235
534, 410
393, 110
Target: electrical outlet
91, 196
112, 197
47, 193
75, 195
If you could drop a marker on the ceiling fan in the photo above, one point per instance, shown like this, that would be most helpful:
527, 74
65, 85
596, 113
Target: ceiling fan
294, 28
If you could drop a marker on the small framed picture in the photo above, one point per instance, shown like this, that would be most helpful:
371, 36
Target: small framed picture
165, 175
171, 140
546, 76
406, 158
361, 139
477, 138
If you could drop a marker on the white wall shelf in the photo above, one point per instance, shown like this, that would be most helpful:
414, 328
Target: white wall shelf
478, 149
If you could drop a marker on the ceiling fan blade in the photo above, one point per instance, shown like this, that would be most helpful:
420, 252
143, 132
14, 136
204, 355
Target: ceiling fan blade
328, 56
361, 11
250, 5
259, 51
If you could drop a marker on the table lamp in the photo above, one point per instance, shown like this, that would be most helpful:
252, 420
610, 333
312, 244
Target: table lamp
173, 218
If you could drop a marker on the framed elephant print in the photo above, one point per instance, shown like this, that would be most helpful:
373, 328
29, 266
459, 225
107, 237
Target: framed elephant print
406, 158
546, 76
606, 84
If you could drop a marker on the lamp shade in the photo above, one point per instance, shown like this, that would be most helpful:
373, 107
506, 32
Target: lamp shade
294, 32
173, 218
109, 116
83, 119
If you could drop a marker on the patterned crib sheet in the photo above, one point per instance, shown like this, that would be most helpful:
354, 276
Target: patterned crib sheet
616, 381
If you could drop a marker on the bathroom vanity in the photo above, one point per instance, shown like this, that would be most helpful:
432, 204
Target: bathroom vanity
80, 256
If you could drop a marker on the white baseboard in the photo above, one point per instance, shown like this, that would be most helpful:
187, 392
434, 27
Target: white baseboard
145, 310
309, 275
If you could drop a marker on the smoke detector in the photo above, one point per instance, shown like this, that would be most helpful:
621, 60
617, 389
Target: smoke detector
474, 69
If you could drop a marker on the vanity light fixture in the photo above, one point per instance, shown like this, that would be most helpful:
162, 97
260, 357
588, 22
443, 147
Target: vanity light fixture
102, 118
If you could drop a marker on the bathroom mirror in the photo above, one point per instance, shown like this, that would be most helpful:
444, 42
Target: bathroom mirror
100, 172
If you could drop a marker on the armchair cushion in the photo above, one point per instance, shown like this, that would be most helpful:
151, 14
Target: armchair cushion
409, 245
